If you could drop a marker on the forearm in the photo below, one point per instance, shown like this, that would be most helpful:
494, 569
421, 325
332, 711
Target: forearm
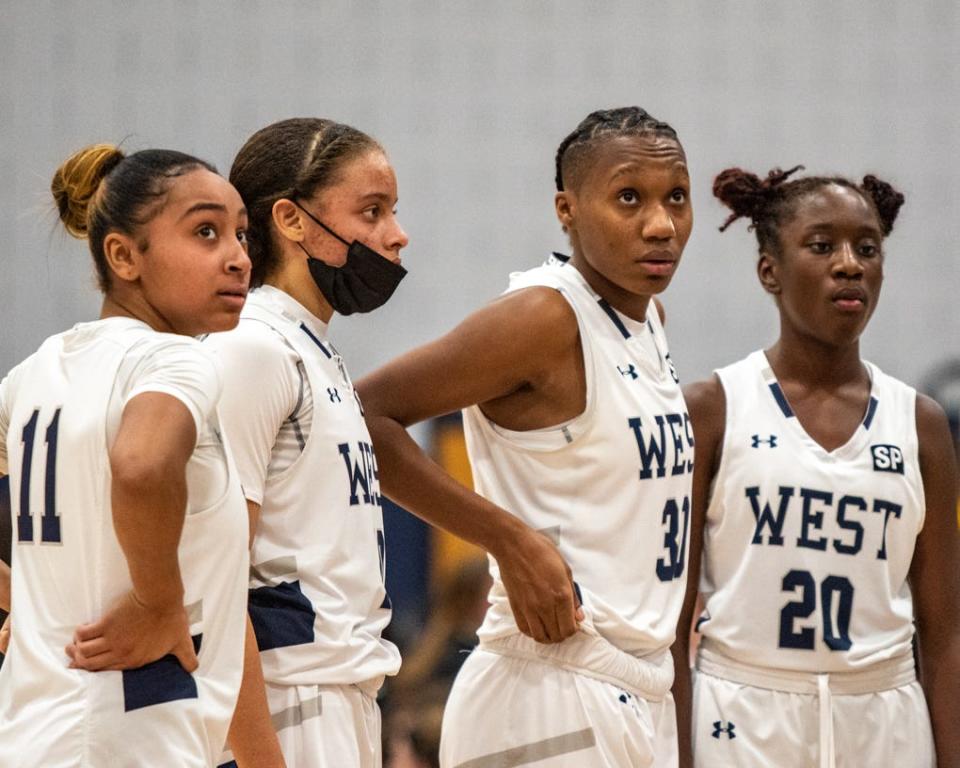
941, 681
683, 700
4, 586
148, 514
420, 485
252, 738
683, 673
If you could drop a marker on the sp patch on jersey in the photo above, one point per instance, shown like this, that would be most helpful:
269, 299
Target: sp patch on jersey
887, 458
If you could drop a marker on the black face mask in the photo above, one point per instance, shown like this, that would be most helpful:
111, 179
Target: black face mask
365, 281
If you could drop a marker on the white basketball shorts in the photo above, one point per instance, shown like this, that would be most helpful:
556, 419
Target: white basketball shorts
743, 726
505, 712
325, 726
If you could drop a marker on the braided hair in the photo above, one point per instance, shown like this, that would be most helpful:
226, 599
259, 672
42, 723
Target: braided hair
769, 202
600, 126
291, 159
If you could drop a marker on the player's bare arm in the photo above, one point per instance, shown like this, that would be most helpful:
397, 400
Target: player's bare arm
5, 605
252, 738
706, 405
148, 463
517, 357
935, 581
4, 586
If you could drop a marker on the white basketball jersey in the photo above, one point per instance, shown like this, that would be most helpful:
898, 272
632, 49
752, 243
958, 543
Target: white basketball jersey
317, 598
612, 486
62, 409
807, 552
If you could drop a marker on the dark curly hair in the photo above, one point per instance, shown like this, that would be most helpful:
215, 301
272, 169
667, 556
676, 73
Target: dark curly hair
599, 126
769, 202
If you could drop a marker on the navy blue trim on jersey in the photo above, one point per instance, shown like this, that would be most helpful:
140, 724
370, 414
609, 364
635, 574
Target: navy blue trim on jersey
231, 764
561, 257
612, 314
871, 412
159, 682
315, 340
281, 616
781, 400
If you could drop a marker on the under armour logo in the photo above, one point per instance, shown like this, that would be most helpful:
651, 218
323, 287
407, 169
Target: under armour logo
334, 395
719, 726
756, 440
631, 371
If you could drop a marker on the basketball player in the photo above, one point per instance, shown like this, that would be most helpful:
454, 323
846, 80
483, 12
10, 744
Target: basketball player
127, 511
823, 498
575, 423
324, 239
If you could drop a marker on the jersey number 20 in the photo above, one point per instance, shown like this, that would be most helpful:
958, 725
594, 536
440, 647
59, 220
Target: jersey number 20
836, 598
50, 522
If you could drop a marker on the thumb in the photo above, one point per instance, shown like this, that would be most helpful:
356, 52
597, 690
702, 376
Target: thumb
186, 655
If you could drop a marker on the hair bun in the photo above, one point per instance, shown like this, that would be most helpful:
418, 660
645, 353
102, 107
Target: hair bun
887, 200
742, 192
77, 180
745, 193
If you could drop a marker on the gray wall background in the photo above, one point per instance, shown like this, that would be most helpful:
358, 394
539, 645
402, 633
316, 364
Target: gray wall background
470, 100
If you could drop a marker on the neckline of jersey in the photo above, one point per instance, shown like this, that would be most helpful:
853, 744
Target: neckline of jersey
852, 446
292, 309
640, 332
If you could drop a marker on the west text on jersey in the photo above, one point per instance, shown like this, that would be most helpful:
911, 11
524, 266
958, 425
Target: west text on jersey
666, 444
856, 519
362, 475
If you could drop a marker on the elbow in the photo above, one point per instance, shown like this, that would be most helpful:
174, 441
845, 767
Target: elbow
372, 405
139, 471
376, 411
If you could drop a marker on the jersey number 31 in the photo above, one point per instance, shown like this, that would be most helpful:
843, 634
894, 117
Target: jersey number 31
676, 518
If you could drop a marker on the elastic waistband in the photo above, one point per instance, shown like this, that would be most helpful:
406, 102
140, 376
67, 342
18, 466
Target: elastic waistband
592, 656
883, 676
368, 687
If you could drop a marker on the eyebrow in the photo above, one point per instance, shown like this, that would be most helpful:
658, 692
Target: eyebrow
633, 166
208, 207
375, 196
828, 225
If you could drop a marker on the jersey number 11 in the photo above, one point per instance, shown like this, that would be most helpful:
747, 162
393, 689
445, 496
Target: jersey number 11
50, 522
